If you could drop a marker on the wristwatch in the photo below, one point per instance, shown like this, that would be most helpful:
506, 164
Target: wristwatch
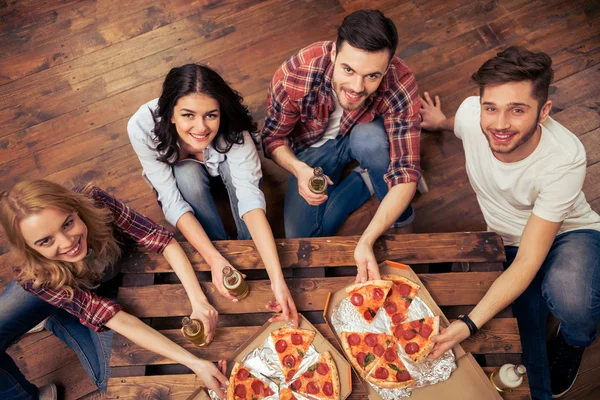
470, 324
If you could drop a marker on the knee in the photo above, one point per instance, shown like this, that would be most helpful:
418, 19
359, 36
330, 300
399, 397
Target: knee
572, 304
369, 142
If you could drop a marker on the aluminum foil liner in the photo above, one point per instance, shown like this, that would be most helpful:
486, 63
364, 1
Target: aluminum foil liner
345, 318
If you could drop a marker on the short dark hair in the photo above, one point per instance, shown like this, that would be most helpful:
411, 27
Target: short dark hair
517, 64
368, 30
197, 78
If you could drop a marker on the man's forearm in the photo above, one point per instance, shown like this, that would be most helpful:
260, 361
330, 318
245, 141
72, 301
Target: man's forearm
285, 157
392, 206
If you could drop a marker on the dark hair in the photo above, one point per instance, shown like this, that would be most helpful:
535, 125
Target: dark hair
368, 30
517, 64
196, 78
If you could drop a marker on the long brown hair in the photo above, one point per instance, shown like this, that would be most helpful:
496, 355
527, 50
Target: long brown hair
30, 197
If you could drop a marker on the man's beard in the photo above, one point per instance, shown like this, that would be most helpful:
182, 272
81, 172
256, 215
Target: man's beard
521, 141
343, 101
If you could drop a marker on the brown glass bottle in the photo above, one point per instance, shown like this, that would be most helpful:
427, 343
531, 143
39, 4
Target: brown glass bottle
318, 182
235, 283
193, 330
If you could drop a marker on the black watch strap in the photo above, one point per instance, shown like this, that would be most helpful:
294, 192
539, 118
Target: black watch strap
470, 324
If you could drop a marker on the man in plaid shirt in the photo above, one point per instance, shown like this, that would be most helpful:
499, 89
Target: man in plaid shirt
332, 103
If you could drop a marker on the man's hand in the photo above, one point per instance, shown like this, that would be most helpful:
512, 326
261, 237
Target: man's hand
448, 337
283, 303
432, 114
366, 264
217, 277
303, 175
212, 377
207, 314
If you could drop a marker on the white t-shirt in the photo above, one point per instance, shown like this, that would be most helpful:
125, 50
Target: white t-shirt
333, 125
547, 183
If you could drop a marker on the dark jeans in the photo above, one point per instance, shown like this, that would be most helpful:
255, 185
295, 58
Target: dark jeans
568, 286
19, 312
368, 143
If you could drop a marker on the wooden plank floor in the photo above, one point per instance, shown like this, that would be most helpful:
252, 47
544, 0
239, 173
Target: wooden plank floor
72, 73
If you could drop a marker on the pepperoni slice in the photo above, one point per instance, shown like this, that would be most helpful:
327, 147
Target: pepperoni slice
390, 307
381, 373
289, 360
402, 376
242, 374
323, 369
408, 334
411, 348
398, 318
280, 346
398, 331
357, 299
297, 339
268, 392
407, 304
328, 389
313, 387
297, 384
240, 391
404, 289
370, 340
360, 357
416, 324
353, 339
425, 330
378, 350
377, 294
290, 374
367, 315
258, 387
390, 354
308, 374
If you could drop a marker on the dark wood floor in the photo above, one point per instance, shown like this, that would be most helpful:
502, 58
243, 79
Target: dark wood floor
73, 72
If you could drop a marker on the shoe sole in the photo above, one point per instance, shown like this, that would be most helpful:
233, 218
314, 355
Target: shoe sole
559, 395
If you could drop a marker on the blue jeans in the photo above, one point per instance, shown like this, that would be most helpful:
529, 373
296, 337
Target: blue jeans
568, 286
368, 143
193, 182
19, 312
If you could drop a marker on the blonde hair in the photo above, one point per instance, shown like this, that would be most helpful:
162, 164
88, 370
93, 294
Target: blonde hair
30, 197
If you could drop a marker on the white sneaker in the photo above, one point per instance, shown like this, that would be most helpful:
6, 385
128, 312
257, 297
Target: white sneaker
38, 328
364, 174
48, 392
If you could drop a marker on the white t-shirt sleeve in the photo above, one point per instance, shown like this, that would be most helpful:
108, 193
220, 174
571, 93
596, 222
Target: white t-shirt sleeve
559, 190
466, 116
246, 173
140, 129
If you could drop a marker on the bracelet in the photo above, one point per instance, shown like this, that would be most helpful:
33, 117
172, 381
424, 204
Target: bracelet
470, 324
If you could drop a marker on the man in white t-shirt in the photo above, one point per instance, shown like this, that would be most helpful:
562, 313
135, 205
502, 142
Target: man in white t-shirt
527, 171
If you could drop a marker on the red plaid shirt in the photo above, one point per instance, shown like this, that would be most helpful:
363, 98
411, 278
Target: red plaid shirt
92, 310
299, 103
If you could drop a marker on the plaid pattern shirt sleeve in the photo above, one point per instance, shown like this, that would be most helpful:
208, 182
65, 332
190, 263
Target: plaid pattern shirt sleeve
132, 224
92, 310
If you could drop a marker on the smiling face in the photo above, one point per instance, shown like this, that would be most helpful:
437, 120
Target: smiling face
56, 234
196, 117
510, 119
357, 74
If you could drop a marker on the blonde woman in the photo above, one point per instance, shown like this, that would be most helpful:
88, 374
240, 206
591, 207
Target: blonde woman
66, 247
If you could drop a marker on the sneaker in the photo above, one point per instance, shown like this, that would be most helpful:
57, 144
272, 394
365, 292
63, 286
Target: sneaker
48, 392
564, 361
364, 174
38, 328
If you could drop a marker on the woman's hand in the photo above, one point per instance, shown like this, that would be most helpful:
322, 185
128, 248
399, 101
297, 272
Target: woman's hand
209, 317
212, 377
283, 303
216, 269
448, 337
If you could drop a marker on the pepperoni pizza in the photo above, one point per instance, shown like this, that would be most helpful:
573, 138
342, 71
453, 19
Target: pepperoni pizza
287, 394
365, 349
245, 386
399, 298
291, 346
415, 336
368, 297
390, 372
319, 380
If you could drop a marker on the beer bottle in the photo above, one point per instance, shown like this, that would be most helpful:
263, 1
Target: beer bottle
508, 377
235, 283
193, 330
318, 182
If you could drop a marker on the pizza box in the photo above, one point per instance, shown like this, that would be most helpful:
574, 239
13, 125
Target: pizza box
321, 344
467, 382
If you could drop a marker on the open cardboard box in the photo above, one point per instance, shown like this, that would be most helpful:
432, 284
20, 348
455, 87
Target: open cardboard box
467, 382
320, 343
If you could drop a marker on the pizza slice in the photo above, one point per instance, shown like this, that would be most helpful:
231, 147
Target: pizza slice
287, 394
399, 298
390, 372
320, 380
245, 386
364, 349
415, 336
291, 346
368, 297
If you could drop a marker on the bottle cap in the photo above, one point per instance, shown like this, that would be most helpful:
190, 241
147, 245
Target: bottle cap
520, 370
227, 270
186, 321
318, 171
